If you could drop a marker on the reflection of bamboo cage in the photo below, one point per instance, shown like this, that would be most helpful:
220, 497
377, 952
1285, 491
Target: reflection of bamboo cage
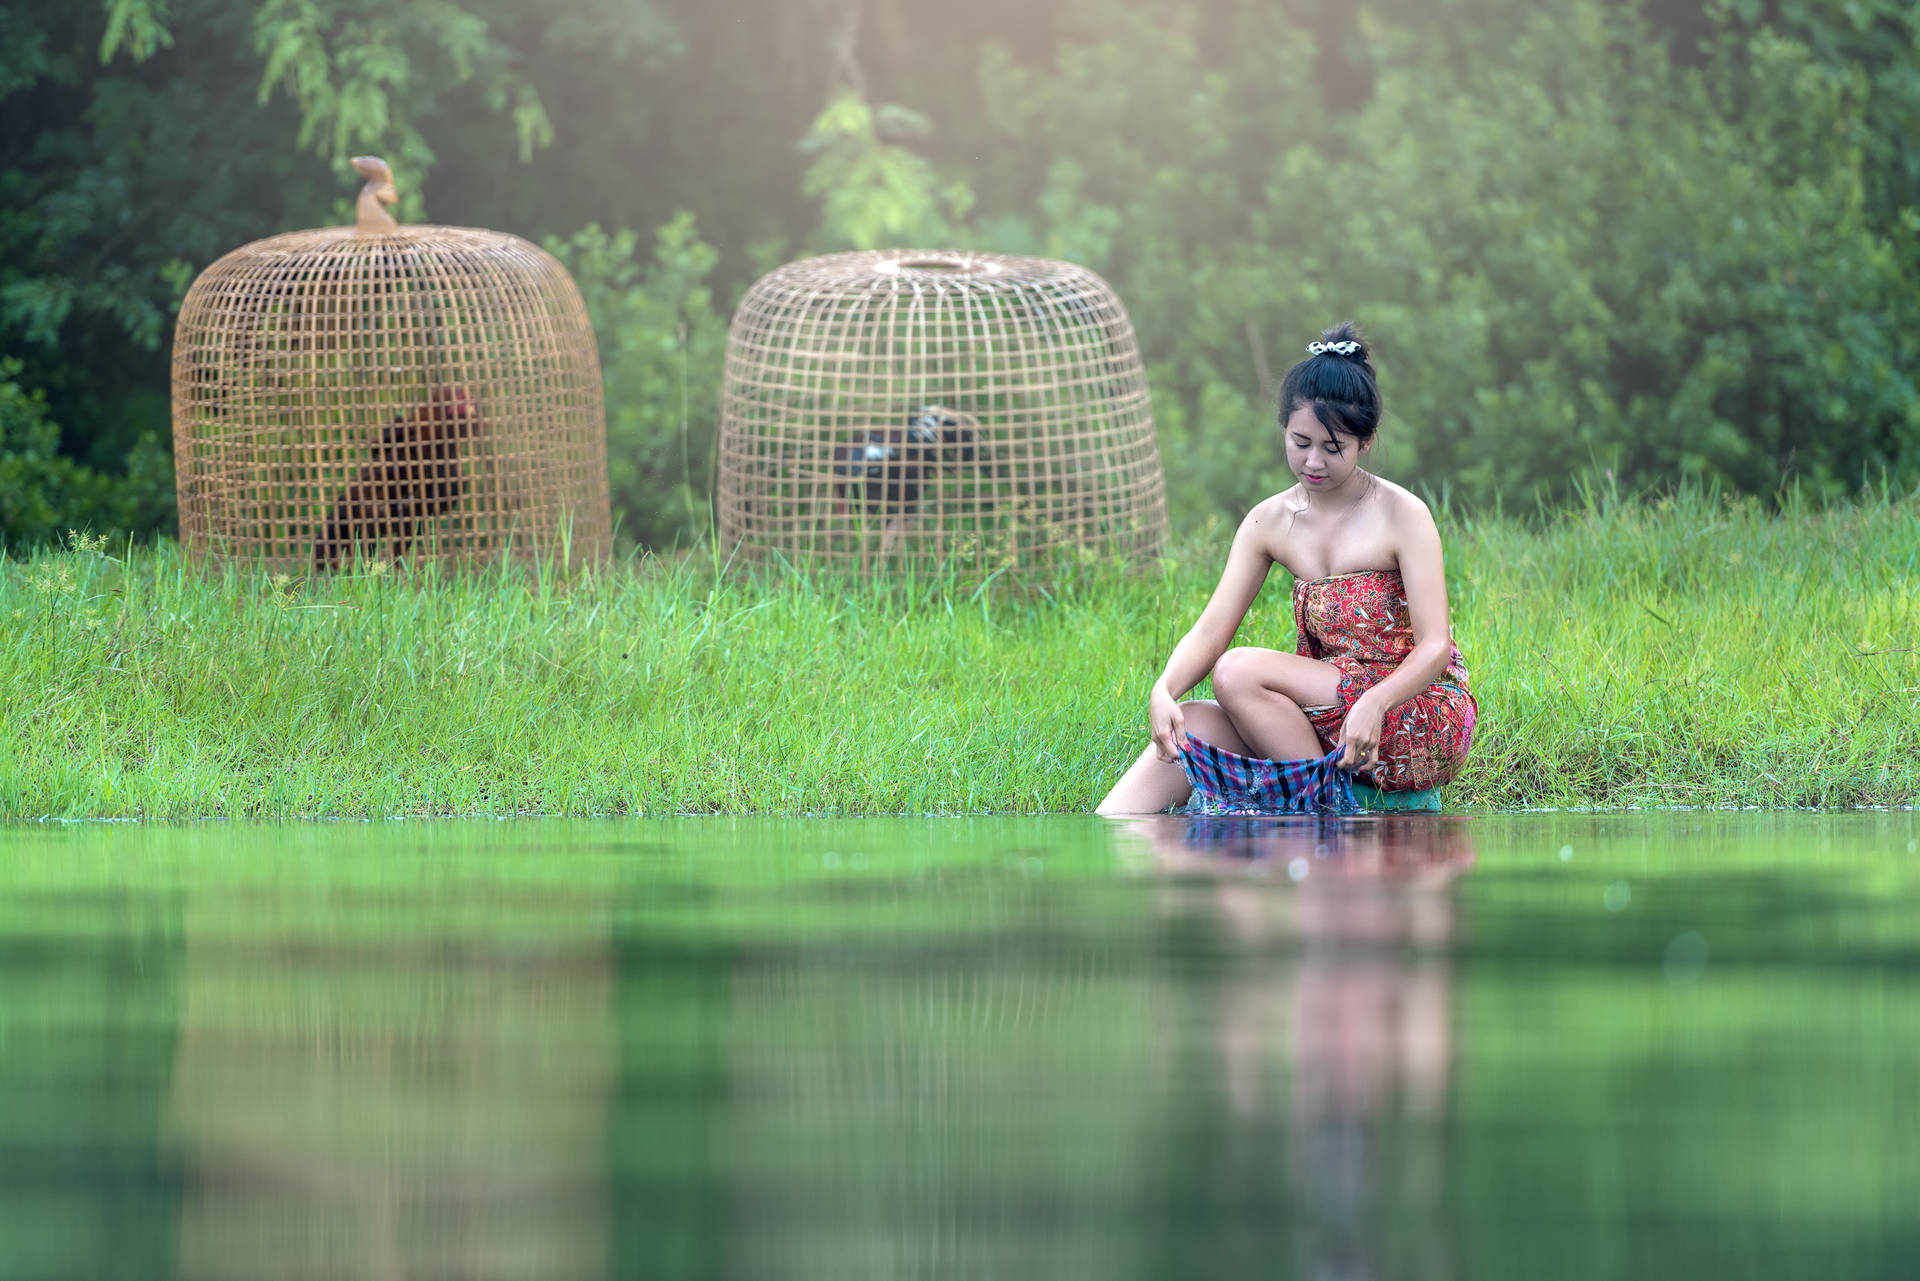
426, 393
431, 1106
903, 1117
936, 406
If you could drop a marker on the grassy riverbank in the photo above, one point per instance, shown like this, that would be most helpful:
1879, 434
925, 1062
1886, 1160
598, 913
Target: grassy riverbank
1683, 653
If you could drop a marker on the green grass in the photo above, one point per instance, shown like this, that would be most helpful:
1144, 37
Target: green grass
1686, 652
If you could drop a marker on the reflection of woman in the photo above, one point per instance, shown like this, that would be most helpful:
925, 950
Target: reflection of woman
1376, 675
1359, 1025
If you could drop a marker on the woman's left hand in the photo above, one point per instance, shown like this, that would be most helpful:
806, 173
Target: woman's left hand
1360, 736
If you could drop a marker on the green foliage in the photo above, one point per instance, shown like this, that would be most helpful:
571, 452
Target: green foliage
138, 26
116, 181
365, 72
1602, 268
43, 491
35, 481
876, 193
661, 348
1577, 253
1876, 45
124, 174
1674, 241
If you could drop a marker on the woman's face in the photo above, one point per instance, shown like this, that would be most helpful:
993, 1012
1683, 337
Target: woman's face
1323, 460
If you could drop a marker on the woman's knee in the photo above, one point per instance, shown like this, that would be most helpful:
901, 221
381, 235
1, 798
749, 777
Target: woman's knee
1237, 674
1244, 679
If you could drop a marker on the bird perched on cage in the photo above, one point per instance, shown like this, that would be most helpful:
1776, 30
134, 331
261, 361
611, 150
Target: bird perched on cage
277, 311
370, 210
884, 466
414, 476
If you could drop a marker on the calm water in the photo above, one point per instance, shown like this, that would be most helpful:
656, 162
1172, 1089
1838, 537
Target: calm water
1529, 1046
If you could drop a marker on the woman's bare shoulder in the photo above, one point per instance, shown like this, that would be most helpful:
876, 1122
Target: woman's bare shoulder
1403, 505
1269, 519
1280, 505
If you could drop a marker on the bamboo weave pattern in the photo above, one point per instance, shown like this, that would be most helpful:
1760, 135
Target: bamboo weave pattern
934, 407
426, 393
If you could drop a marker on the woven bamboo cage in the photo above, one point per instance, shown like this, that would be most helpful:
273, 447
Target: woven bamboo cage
935, 407
388, 393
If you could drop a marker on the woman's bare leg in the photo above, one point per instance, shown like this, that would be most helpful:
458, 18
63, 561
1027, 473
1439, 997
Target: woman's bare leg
1150, 784
1262, 692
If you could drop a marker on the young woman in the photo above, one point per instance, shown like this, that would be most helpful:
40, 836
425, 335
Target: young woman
1375, 674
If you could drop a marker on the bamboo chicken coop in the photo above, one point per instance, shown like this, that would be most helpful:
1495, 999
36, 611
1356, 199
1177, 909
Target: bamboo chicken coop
388, 393
936, 407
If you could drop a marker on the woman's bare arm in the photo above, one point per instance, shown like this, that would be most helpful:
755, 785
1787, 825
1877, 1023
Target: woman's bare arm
1248, 562
1423, 574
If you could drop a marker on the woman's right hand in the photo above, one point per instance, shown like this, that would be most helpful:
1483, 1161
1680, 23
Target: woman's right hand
1168, 723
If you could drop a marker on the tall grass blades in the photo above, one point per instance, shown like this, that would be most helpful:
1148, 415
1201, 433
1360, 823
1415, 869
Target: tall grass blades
1684, 652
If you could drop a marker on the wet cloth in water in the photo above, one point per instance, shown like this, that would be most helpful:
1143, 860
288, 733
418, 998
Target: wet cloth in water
1359, 623
1227, 783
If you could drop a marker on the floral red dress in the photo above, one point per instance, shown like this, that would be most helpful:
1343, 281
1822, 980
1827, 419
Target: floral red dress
1359, 623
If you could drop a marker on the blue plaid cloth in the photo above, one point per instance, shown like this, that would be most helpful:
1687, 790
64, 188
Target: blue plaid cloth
1226, 783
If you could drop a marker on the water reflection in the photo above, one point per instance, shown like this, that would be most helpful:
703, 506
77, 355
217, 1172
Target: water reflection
347, 1102
1656, 1046
959, 1094
1320, 975
89, 992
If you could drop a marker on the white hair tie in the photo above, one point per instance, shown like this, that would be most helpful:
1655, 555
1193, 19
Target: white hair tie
1335, 348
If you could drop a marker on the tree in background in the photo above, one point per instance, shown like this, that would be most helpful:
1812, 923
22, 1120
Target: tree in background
1577, 254
662, 345
1672, 241
130, 165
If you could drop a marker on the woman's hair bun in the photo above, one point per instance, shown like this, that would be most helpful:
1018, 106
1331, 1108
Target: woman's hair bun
1337, 379
1345, 341
1345, 331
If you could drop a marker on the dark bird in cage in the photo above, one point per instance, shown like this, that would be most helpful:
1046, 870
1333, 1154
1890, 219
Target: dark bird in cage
414, 477
949, 440
884, 466
877, 472
939, 436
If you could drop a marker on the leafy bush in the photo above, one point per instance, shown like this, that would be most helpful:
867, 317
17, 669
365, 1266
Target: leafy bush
662, 345
875, 193
1576, 255
43, 491
1669, 241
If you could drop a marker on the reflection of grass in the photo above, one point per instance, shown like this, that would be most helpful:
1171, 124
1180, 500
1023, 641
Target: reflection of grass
1680, 653
1627, 1103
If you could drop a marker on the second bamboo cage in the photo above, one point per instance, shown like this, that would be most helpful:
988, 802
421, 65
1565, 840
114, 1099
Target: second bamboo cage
936, 407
